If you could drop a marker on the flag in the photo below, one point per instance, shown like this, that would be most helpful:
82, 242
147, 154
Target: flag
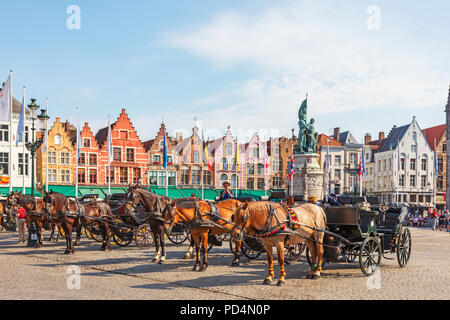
435, 160
109, 143
266, 161
206, 153
5, 101
328, 165
20, 126
44, 143
237, 158
362, 166
165, 157
291, 172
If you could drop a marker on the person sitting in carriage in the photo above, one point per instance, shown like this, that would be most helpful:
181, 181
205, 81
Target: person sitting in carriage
227, 193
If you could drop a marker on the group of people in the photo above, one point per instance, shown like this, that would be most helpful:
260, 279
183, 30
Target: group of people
437, 219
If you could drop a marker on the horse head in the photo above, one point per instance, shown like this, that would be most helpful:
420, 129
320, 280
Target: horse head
12, 202
132, 199
241, 220
170, 216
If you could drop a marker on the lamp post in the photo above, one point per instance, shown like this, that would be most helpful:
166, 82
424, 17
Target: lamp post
34, 144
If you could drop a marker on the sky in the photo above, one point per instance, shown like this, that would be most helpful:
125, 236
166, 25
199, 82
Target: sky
365, 65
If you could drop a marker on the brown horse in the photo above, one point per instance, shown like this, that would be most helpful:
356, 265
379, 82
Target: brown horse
35, 209
198, 215
154, 205
276, 226
72, 214
2, 211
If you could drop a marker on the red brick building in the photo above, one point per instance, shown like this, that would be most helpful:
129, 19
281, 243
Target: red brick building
89, 170
129, 157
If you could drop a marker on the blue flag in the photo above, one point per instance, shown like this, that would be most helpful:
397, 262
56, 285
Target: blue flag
165, 157
20, 128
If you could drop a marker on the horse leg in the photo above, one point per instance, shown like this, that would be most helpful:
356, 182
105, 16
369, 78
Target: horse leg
52, 233
204, 250
237, 260
313, 251
67, 227
196, 239
280, 254
78, 239
39, 233
105, 236
157, 248
190, 252
161, 238
320, 251
268, 246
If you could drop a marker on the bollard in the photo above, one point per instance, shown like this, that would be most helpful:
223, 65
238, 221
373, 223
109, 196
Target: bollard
32, 236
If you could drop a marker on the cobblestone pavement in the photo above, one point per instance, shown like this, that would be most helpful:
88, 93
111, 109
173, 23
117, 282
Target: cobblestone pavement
127, 273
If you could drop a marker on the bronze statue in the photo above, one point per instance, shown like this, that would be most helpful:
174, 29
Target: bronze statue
307, 137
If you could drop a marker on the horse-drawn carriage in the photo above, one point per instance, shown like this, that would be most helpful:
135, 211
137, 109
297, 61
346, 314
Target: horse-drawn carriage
366, 233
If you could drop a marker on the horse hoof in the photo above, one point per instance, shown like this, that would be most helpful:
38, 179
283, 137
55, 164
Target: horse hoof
161, 261
315, 277
67, 252
187, 257
235, 264
73, 251
203, 269
280, 283
308, 276
155, 260
267, 281
196, 267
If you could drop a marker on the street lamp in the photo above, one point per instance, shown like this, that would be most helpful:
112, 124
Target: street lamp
34, 144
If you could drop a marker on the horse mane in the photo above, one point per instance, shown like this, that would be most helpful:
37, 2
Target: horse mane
186, 203
152, 199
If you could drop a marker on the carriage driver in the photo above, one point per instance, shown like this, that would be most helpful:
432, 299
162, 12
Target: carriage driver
227, 193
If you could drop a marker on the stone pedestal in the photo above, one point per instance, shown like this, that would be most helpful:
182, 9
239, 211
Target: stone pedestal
308, 180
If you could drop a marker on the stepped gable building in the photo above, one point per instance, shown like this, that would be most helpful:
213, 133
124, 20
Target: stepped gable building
280, 151
129, 157
61, 156
190, 158
155, 155
437, 134
222, 156
89, 169
370, 148
258, 170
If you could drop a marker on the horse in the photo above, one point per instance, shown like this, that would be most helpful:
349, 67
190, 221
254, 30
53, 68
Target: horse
154, 205
276, 225
198, 215
72, 214
35, 209
2, 211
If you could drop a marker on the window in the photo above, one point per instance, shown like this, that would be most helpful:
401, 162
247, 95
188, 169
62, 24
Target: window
276, 166
82, 159
57, 140
153, 178
184, 176
4, 133
92, 159
337, 174
130, 155
27, 134
136, 175
169, 160
206, 177
117, 154
23, 164
337, 160
229, 148
65, 158
172, 178
52, 175
277, 150
390, 164
196, 176
111, 175
251, 184
412, 180
402, 164
412, 164
423, 181
224, 164
276, 182
413, 148
440, 182
123, 175
261, 168
260, 184
424, 165
379, 165
234, 181
256, 152
157, 159
353, 159
65, 176
440, 164
123, 134
87, 143
52, 157
444, 147
401, 180
196, 157
93, 176
384, 165
250, 168
223, 178
81, 175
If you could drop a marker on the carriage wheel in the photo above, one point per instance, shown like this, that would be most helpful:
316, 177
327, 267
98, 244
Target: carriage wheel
369, 255
210, 246
249, 252
94, 234
404, 247
179, 237
143, 237
351, 255
293, 252
233, 247
123, 235
88, 234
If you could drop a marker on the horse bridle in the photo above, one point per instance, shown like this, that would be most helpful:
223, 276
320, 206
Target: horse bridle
133, 203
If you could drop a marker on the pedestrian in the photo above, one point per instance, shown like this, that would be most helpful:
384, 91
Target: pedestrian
442, 219
227, 193
21, 221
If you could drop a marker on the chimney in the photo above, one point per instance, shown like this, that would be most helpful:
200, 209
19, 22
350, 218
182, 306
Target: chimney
67, 126
367, 138
179, 137
381, 135
337, 133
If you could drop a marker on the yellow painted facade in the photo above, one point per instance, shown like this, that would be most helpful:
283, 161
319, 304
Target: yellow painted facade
61, 154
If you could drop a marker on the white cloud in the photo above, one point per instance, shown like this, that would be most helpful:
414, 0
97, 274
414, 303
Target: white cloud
294, 50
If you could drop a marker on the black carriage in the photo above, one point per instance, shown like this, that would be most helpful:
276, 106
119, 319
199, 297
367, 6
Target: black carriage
367, 235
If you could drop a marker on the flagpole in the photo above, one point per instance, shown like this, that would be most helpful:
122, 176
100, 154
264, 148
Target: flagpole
76, 157
109, 156
23, 142
435, 173
361, 181
46, 148
398, 172
10, 128
203, 160
165, 160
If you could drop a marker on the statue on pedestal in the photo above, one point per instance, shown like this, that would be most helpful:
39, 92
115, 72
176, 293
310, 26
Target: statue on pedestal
307, 137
